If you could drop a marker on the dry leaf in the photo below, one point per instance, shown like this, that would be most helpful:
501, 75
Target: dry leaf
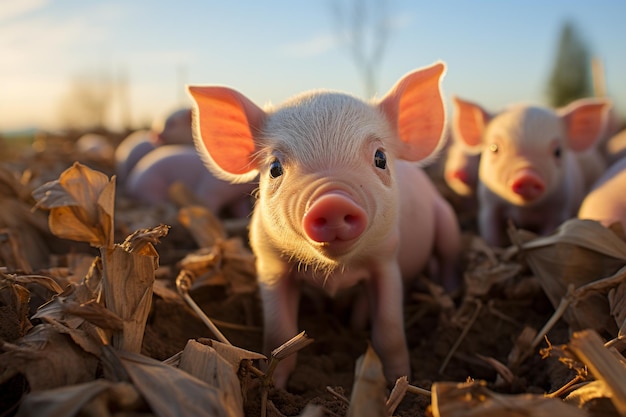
206, 364
48, 359
14, 316
220, 260
579, 252
235, 355
226, 263
473, 399
127, 292
617, 304
30, 231
12, 253
603, 364
398, 392
368, 391
88, 399
81, 204
142, 241
172, 392
591, 396
205, 228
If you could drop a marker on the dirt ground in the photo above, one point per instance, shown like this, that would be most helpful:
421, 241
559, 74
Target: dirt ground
487, 326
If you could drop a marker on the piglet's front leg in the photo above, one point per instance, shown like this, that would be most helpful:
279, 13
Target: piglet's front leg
385, 294
280, 297
491, 218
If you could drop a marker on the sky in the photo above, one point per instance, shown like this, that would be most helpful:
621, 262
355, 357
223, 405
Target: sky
497, 52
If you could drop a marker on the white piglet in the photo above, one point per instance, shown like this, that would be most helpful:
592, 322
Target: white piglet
536, 164
606, 202
338, 203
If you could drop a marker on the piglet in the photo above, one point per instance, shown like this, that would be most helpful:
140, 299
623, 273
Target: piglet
173, 130
606, 202
338, 201
152, 177
134, 147
94, 146
460, 170
176, 129
536, 164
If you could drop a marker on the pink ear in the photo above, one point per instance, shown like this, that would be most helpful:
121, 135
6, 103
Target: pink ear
414, 106
585, 121
469, 123
224, 122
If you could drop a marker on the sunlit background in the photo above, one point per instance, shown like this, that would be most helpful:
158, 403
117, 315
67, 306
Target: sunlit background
119, 64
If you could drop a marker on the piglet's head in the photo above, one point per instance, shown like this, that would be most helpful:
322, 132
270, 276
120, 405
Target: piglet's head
319, 154
523, 147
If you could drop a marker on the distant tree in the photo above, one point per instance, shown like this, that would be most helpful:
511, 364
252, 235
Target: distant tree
87, 102
364, 26
571, 74
123, 98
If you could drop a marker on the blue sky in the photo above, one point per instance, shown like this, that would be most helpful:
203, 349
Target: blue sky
498, 52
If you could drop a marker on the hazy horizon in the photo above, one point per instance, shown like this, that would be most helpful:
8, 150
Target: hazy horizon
497, 53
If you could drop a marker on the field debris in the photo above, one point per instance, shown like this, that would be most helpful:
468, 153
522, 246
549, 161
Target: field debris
105, 304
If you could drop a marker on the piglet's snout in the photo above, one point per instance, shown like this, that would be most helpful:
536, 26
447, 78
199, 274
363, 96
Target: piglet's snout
460, 175
334, 217
528, 185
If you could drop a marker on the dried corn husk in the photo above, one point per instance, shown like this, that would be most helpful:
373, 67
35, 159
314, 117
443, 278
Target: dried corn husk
578, 253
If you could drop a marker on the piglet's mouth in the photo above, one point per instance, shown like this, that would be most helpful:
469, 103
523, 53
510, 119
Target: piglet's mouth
336, 248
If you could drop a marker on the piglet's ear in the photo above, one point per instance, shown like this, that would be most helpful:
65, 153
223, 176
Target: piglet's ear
469, 123
224, 123
585, 122
415, 108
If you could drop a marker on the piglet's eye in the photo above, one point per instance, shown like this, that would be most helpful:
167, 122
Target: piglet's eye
276, 169
557, 152
380, 159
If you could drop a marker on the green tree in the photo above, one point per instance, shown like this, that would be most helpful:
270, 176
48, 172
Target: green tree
571, 74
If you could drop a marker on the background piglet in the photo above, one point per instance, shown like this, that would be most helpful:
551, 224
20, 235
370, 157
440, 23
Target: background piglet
536, 164
460, 170
606, 202
155, 173
134, 147
174, 130
95, 146
335, 205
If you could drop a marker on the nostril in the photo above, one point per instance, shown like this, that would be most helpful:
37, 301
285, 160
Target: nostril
350, 219
320, 222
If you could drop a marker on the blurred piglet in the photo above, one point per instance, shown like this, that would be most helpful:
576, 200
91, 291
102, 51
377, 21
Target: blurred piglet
134, 147
152, 177
536, 164
606, 202
338, 203
174, 130
95, 146
460, 170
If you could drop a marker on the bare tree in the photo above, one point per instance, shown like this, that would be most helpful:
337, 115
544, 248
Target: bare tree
364, 26
122, 88
571, 76
88, 100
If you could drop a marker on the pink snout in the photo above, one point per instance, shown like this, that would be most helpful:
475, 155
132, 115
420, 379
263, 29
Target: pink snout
460, 175
528, 185
334, 217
